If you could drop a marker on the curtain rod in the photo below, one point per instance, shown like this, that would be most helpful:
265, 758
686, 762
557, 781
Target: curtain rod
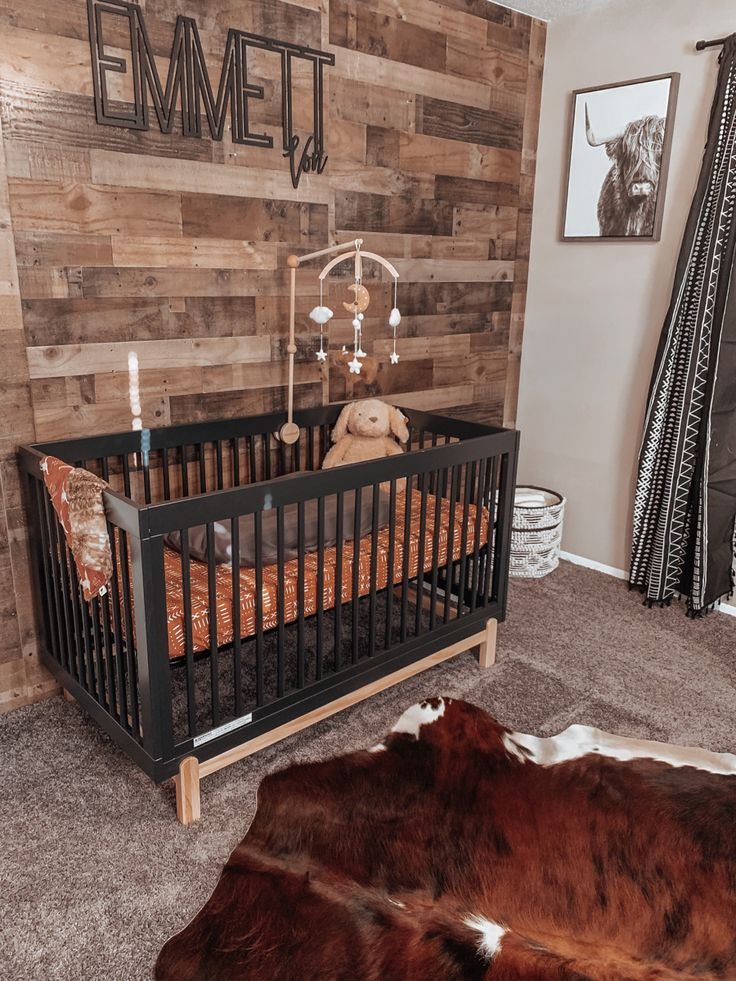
702, 45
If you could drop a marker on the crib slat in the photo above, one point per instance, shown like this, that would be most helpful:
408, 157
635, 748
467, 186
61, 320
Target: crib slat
212, 604
461, 584
128, 616
235, 451
252, 476
184, 471
104, 615
420, 558
95, 618
439, 479
357, 542
258, 528
449, 564
59, 546
480, 477
202, 468
186, 594
280, 602
405, 563
376, 503
126, 475
390, 562
218, 463
84, 628
165, 472
339, 544
54, 637
237, 652
282, 457
266, 444
75, 597
494, 505
300, 597
118, 632
65, 597
310, 449
112, 695
78, 607
146, 477
489, 552
320, 585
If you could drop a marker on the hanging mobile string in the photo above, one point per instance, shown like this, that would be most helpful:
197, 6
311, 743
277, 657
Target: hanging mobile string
320, 315
394, 320
358, 352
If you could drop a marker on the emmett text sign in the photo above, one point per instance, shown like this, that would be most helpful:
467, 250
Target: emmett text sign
188, 84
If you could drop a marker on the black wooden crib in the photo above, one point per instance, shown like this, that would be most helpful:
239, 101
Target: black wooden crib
355, 578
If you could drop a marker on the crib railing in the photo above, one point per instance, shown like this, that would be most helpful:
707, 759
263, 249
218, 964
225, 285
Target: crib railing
320, 624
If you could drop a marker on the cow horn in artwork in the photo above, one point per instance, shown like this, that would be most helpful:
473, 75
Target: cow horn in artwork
595, 139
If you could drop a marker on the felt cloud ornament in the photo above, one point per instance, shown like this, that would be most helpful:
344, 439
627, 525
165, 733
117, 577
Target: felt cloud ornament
320, 315
394, 318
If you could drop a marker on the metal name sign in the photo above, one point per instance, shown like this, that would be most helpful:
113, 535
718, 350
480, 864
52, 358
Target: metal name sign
188, 83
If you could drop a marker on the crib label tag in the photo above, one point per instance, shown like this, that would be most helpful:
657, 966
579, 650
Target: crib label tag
221, 730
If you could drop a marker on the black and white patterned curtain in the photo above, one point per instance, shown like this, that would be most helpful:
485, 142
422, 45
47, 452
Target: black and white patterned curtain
686, 489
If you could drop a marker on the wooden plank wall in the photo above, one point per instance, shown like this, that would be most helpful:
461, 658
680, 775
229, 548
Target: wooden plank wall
173, 248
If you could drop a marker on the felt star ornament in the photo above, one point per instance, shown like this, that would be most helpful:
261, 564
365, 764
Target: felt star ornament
321, 355
394, 357
354, 366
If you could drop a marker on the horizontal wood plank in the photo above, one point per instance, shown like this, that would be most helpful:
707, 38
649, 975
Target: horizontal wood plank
74, 359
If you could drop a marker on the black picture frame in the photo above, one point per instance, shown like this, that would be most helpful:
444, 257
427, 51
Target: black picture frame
579, 95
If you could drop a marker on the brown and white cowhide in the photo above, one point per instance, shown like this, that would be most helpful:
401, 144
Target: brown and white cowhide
459, 849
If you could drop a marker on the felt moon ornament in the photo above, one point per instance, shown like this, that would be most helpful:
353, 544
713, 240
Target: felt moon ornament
361, 301
320, 315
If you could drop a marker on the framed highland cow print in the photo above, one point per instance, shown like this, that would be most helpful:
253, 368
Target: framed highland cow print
620, 142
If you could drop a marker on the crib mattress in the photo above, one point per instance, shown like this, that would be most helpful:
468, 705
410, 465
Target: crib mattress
200, 607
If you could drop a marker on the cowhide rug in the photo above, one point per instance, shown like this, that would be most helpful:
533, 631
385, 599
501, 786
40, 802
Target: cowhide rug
459, 849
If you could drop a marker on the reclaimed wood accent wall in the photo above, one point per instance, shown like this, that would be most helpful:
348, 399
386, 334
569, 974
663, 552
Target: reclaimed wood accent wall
172, 249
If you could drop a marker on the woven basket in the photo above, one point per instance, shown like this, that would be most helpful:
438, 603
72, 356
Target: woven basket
536, 532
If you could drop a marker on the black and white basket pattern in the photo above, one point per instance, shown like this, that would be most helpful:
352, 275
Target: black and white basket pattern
536, 533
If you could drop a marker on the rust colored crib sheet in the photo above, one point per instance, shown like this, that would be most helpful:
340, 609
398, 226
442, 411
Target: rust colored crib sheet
200, 617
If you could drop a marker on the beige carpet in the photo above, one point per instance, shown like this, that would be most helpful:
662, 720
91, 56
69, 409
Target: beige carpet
95, 873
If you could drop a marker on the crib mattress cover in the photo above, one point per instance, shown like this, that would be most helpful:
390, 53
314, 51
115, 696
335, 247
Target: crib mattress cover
475, 524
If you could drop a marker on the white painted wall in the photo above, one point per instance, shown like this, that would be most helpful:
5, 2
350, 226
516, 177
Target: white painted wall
595, 310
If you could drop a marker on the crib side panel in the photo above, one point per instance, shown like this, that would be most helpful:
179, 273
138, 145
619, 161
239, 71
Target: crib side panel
89, 645
354, 573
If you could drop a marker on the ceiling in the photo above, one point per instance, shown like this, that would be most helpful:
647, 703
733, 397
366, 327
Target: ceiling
552, 9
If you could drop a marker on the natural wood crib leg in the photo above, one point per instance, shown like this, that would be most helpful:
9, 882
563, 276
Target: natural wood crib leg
488, 645
187, 790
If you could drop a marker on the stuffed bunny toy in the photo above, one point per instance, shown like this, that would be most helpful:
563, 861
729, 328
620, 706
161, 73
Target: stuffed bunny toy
365, 431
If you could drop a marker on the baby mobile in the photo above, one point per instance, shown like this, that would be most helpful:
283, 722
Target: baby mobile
322, 314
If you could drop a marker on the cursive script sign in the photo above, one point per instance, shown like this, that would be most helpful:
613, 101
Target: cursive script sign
188, 84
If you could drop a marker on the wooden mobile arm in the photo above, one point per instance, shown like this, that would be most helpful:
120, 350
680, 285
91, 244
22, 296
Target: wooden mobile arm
364, 255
